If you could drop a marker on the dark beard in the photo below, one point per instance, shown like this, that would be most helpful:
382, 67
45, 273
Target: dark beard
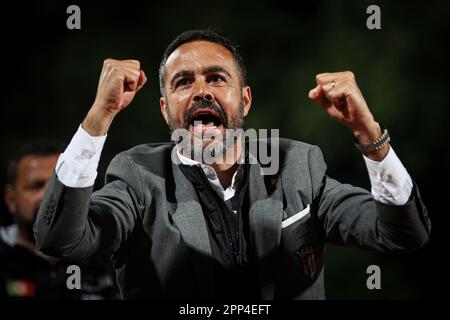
221, 147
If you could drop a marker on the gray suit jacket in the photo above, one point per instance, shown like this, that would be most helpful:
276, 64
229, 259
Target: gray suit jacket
147, 216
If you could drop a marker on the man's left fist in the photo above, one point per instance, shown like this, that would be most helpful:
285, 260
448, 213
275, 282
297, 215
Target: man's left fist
339, 95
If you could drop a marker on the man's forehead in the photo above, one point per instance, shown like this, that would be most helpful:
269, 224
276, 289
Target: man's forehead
197, 54
31, 163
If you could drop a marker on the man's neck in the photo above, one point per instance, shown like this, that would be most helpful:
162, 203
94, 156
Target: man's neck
226, 169
225, 173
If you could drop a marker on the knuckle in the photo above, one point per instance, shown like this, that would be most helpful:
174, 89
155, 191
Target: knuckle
135, 62
108, 62
352, 85
346, 82
350, 74
116, 72
133, 75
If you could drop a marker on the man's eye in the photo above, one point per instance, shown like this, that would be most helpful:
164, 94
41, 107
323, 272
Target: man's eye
183, 82
216, 79
36, 185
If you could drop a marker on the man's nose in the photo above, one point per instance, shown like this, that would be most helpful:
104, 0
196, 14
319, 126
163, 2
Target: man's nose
202, 91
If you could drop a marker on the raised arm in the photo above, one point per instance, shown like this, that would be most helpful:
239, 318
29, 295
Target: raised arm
73, 222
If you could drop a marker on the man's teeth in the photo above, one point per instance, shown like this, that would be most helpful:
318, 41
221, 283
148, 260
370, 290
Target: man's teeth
200, 124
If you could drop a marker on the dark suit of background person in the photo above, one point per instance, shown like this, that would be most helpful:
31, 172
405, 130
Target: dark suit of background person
26, 273
175, 230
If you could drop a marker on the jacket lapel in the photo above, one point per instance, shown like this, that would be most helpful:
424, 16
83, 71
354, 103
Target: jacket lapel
265, 215
188, 217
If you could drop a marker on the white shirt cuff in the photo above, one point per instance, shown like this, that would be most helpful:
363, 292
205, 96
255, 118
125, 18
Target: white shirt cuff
391, 183
77, 166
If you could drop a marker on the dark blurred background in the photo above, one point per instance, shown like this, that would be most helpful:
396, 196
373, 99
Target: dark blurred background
50, 77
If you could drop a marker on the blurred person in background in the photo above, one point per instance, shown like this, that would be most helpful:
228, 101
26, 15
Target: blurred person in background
25, 272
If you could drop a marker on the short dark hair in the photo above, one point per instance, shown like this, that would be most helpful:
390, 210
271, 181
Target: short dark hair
202, 35
35, 148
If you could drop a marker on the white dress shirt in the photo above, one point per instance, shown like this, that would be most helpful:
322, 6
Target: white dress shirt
77, 168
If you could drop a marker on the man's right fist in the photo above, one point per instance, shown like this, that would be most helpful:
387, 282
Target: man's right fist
119, 82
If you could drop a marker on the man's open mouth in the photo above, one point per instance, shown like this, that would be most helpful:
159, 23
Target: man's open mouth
205, 118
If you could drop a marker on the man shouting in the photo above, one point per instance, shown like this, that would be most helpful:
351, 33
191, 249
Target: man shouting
179, 227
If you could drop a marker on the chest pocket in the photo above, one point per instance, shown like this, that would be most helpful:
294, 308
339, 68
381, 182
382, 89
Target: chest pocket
297, 229
299, 216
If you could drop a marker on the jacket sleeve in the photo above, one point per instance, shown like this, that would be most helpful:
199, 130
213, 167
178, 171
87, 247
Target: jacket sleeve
76, 223
351, 217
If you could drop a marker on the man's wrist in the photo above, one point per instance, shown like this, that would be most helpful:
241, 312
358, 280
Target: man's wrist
367, 133
97, 122
370, 133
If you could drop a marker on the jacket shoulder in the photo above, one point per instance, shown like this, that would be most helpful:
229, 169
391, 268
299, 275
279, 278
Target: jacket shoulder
289, 144
289, 150
295, 153
149, 149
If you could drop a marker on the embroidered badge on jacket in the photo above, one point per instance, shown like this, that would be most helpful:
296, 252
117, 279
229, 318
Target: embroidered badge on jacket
306, 255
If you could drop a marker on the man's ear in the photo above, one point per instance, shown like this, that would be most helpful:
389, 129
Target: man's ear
9, 194
246, 99
163, 104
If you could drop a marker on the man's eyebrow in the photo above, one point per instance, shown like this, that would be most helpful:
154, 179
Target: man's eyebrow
216, 69
207, 70
180, 74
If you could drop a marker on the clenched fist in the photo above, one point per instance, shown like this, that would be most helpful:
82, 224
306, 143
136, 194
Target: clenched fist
118, 84
340, 96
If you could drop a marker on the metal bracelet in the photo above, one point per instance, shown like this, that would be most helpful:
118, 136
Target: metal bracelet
377, 144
